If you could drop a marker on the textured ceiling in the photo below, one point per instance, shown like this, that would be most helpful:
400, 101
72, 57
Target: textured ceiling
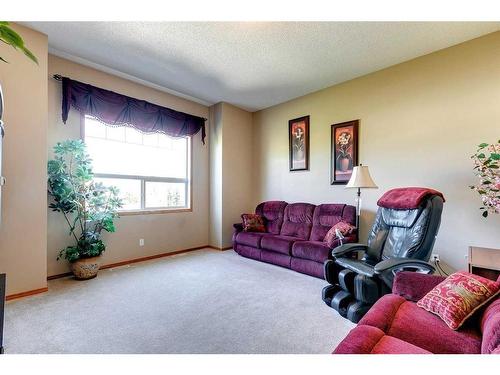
253, 65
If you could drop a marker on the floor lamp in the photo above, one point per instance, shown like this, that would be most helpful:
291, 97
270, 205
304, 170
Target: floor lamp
360, 179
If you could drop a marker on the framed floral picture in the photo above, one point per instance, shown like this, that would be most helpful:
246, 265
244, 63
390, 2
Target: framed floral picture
344, 151
298, 137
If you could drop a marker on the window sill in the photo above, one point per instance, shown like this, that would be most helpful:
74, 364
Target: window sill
154, 211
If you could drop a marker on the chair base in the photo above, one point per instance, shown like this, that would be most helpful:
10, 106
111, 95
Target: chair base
344, 303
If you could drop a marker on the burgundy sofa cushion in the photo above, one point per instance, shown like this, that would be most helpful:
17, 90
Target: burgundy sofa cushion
250, 238
371, 340
253, 223
327, 215
490, 327
413, 286
279, 244
247, 251
342, 228
406, 321
309, 267
272, 212
459, 296
297, 221
275, 258
312, 250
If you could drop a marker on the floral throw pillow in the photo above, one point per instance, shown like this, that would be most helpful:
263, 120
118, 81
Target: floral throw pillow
457, 297
253, 223
344, 228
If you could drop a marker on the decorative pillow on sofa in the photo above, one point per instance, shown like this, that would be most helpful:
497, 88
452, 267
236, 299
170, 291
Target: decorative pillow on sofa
344, 228
253, 223
457, 297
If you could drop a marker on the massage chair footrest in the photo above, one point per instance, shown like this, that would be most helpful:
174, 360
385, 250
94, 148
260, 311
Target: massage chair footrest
328, 292
356, 310
340, 302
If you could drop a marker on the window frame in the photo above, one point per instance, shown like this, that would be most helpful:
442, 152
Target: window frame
144, 179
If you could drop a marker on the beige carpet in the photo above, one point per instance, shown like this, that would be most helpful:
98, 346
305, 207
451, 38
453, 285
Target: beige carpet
200, 302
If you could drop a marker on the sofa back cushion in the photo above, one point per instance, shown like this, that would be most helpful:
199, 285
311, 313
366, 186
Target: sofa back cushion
490, 327
272, 212
298, 219
327, 215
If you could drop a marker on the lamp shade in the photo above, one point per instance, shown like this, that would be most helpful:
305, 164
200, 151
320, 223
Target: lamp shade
361, 178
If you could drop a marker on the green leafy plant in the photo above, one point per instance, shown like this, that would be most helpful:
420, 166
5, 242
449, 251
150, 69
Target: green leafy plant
88, 207
487, 169
11, 38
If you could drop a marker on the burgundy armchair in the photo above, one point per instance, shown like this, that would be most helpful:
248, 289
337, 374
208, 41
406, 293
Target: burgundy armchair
396, 325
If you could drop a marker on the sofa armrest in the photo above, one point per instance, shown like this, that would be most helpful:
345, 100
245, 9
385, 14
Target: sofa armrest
238, 228
413, 286
348, 248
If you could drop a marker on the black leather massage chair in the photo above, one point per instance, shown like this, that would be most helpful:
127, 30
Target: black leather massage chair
401, 239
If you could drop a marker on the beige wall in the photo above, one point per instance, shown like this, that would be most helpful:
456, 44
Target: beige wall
23, 232
230, 171
215, 221
161, 232
419, 123
237, 168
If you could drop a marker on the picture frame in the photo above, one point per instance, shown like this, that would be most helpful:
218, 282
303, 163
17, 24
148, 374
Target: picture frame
298, 143
344, 151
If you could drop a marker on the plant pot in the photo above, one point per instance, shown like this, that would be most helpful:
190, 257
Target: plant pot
85, 268
344, 163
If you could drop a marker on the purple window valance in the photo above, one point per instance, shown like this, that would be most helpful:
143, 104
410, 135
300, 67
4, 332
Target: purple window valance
121, 110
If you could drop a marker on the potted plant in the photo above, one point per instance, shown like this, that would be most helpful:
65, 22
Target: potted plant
88, 207
487, 169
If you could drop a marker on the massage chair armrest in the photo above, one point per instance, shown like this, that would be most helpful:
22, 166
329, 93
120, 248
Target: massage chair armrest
348, 248
387, 269
400, 263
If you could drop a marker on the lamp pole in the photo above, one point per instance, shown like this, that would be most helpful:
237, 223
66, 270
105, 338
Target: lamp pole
358, 209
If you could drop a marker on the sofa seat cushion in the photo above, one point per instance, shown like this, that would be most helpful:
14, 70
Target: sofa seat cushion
311, 250
371, 340
279, 244
250, 238
408, 322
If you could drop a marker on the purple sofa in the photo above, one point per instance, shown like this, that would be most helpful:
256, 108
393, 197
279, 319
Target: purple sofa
396, 325
294, 235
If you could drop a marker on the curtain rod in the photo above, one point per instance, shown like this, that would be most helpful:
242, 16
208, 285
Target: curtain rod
57, 77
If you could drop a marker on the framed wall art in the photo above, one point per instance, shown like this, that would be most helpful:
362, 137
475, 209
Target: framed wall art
344, 151
298, 136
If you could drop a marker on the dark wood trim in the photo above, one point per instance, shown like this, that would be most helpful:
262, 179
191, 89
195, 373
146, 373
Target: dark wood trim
59, 275
135, 260
26, 294
220, 248
333, 149
306, 141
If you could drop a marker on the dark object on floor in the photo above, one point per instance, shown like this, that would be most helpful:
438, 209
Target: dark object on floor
396, 325
2, 307
294, 235
400, 239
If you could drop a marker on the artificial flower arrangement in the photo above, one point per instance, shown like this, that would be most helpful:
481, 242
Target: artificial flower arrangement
486, 168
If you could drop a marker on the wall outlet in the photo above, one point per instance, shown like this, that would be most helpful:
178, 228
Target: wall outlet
141, 242
435, 257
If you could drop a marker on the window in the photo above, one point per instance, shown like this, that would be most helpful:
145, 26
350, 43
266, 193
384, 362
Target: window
152, 171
